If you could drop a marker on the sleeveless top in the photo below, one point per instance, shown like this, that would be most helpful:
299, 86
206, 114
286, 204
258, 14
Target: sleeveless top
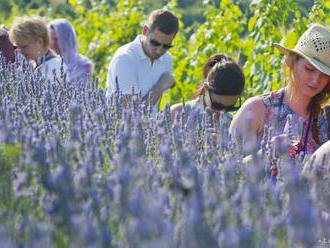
276, 112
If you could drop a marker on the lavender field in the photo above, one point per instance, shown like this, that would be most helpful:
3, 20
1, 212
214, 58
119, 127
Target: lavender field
79, 170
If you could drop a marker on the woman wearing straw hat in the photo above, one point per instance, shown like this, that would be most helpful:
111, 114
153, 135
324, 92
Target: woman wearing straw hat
308, 75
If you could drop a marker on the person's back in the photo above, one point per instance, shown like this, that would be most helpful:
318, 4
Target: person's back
320, 157
6, 47
144, 65
63, 41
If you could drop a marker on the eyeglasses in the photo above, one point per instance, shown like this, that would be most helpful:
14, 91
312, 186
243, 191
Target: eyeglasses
216, 106
155, 43
21, 47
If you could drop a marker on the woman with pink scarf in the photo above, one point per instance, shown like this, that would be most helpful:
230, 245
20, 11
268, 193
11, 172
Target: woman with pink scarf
63, 41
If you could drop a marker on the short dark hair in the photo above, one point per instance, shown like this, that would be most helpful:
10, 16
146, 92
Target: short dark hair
164, 21
224, 75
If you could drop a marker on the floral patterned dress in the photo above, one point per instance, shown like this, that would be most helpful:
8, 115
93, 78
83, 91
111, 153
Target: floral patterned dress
276, 116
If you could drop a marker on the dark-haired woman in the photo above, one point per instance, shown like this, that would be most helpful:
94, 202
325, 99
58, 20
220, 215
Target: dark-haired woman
220, 90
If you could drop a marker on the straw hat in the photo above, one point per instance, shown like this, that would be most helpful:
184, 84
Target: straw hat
313, 45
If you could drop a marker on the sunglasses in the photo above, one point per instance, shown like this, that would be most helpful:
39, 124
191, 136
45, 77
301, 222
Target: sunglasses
20, 47
157, 44
216, 106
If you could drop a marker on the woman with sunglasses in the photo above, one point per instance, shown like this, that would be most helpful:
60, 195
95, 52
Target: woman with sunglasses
221, 89
30, 35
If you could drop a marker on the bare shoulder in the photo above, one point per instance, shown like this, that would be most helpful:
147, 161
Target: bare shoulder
253, 102
250, 117
175, 110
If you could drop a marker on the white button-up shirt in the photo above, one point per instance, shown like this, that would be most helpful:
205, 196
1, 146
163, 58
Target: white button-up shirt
133, 68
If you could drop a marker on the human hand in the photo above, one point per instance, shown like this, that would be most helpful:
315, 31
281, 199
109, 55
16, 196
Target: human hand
213, 134
280, 145
294, 130
293, 150
167, 81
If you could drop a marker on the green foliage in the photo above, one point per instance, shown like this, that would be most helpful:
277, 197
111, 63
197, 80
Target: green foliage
278, 21
263, 67
248, 34
102, 28
238, 28
9, 154
220, 33
11, 9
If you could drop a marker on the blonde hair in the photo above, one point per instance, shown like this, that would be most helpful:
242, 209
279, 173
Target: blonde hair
28, 29
289, 70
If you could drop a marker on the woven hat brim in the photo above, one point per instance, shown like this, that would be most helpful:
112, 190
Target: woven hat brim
319, 65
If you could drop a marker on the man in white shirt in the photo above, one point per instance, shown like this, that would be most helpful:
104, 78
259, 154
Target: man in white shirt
144, 64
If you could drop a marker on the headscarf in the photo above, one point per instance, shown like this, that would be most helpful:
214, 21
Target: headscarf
79, 67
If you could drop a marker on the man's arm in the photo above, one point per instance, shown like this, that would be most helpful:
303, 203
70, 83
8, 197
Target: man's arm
122, 70
165, 81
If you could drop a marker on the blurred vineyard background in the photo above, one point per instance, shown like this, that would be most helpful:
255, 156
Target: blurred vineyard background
77, 172
243, 29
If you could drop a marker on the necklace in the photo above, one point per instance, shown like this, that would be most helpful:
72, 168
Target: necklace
304, 147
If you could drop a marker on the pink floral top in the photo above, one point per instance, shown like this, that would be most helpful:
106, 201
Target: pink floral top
276, 117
